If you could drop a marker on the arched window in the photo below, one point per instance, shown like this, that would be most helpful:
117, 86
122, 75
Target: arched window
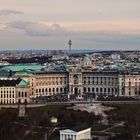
22, 94
75, 79
84, 89
46, 90
101, 90
56, 89
43, 90
49, 89
61, 89
39, 90
25, 94
53, 89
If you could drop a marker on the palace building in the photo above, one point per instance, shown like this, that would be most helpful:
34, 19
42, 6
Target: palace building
25, 85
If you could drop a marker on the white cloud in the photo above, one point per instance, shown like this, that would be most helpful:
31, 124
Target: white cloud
9, 12
38, 29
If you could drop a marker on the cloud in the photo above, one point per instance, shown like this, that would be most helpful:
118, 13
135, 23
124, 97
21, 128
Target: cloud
9, 12
93, 37
38, 29
2, 26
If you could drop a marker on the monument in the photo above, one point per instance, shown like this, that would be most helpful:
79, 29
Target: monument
22, 110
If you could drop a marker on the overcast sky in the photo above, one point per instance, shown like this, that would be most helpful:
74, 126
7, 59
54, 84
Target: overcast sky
90, 24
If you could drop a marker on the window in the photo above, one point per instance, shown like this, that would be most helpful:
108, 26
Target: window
92, 89
65, 90
88, 89
43, 90
101, 89
46, 90
25, 94
112, 89
96, 89
22, 94
75, 79
36, 90
53, 89
61, 89
56, 89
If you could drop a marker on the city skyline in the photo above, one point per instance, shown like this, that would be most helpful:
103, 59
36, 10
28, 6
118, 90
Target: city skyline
91, 24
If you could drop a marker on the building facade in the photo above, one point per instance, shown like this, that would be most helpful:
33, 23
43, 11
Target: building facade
14, 90
75, 134
23, 88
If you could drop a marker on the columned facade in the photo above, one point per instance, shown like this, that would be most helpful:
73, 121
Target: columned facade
51, 84
100, 83
74, 82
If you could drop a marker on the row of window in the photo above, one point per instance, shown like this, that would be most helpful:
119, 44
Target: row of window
51, 83
99, 83
51, 78
45, 90
8, 91
7, 95
7, 88
7, 101
22, 94
101, 90
111, 79
136, 93
133, 83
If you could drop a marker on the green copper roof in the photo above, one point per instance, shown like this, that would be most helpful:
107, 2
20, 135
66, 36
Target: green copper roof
22, 67
23, 74
23, 83
86, 58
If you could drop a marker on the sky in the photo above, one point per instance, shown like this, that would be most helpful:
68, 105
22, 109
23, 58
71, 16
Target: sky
90, 24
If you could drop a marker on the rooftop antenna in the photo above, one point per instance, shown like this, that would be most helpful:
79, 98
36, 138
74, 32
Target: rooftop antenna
70, 44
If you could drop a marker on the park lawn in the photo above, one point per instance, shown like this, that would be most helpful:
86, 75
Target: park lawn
54, 108
119, 130
100, 127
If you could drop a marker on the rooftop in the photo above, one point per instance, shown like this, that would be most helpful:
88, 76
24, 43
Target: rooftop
23, 83
22, 67
86, 58
9, 82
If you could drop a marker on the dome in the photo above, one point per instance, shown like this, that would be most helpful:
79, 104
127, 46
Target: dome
86, 58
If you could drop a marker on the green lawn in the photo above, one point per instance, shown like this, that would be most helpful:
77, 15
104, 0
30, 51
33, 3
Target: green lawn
100, 127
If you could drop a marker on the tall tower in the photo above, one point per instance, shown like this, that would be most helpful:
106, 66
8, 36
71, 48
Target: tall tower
70, 44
